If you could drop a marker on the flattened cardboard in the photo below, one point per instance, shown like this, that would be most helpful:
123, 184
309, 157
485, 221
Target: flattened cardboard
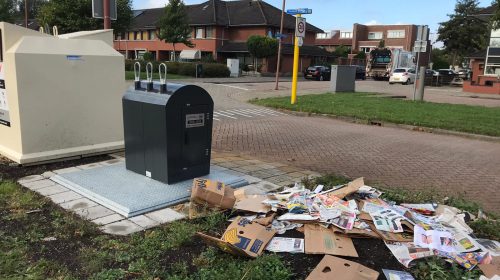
212, 192
391, 236
492, 269
351, 187
321, 240
242, 238
266, 220
252, 203
332, 267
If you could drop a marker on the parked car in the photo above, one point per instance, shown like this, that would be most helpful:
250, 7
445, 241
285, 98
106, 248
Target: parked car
430, 72
360, 72
464, 73
446, 72
320, 73
404, 76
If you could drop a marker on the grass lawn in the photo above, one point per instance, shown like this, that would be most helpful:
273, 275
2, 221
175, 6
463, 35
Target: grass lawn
129, 75
366, 106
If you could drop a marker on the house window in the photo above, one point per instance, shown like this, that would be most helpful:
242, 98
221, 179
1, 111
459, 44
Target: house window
209, 32
326, 35
374, 35
137, 35
151, 34
395, 34
365, 49
346, 35
199, 32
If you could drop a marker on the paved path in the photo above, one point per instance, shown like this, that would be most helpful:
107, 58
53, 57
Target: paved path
389, 156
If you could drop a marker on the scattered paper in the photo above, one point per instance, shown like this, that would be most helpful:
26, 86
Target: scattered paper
388, 220
369, 207
466, 260
319, 188
426, 209
286, 245
282, 226
490, 246
297, 217
397, 275
344, 221
463, 242
433, 239
405, 252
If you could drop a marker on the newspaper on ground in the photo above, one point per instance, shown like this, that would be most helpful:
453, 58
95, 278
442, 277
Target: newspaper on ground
345, 220
388, 220
282, 226
397, 275
433, 239
405, 252
466, 260
424, 208
490, 246
286, 245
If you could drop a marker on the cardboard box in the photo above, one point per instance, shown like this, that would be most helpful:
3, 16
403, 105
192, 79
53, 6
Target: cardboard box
351, 187
242, 238
212, 192
332, 267
251, 203
321, 240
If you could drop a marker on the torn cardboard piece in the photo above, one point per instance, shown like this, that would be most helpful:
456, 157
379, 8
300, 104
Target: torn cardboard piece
332, 267
351, 187
242, 238
492, 269
213, 193
251, 203
321, 240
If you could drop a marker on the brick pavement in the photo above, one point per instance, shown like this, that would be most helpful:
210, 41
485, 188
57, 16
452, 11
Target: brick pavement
392, 157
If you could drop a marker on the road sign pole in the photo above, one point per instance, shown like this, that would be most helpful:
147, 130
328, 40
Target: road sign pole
278, 63
295, 67
107, 18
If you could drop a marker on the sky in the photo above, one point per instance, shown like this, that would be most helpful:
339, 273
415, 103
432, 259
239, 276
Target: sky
342, 14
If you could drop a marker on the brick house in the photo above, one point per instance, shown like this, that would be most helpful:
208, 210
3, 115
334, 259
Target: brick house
220, 30
364, 38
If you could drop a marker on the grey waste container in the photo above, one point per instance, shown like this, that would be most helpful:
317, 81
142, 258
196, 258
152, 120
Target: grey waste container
343, 78
168, 135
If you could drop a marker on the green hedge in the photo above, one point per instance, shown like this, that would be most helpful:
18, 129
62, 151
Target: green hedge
210, 70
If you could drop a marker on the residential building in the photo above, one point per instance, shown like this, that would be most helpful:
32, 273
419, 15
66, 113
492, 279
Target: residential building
485, 64
220, 30
364, 38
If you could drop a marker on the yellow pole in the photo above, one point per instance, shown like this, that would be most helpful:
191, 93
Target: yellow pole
295, 68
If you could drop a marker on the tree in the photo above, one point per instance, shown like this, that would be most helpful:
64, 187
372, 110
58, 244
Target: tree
495, 19
33, 7
440, 59
7, 10
173, 25
381, 44
360, 55
261, 47
463, 33
342, 51
76, 15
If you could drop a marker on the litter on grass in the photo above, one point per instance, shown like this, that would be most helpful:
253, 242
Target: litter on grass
328, 219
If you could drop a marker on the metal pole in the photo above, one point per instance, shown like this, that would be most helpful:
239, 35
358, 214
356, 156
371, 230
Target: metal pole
278, 63
416, 76
295, 67
26, 13
106, 10
421, 84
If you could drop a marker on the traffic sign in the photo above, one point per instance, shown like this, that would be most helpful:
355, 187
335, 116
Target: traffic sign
300, 11
300, 41
419, 49
300, 27
98, 9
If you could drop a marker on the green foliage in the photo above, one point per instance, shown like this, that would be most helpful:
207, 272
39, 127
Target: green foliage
329, 181
435, 268
33, 7
367, 107
7, 10
495, 19
440, 59
148, 56
262, 46
173, 24
342, 51
381, 44
76, 15
178, 70
463, 33
489, 229
360, 55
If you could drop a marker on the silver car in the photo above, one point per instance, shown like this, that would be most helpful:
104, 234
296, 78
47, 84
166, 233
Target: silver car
404, 76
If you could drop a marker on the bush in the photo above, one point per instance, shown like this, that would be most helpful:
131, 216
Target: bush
210, 70
148, 56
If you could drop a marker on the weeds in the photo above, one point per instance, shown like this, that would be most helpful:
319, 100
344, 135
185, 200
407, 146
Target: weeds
434, 268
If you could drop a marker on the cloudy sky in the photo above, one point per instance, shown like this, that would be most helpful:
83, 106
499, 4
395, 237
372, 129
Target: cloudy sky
341, 14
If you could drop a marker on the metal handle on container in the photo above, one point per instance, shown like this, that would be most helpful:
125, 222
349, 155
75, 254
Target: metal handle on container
163, 78
137, 75
149, 76
55, 31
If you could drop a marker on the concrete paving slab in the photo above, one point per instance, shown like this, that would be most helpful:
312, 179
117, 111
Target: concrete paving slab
89, 166
95, 212
64, 197
165, 215
35, 185
66, 170
108, 219
124, 227
48, 174
76, 204
29, 179
113, 161
51, 190
144, 221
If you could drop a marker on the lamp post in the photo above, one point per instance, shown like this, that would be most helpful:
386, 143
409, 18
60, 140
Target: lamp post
26, 13
278, 63
106, 14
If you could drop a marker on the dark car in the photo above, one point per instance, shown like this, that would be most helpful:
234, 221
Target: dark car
360, 72
320, 73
